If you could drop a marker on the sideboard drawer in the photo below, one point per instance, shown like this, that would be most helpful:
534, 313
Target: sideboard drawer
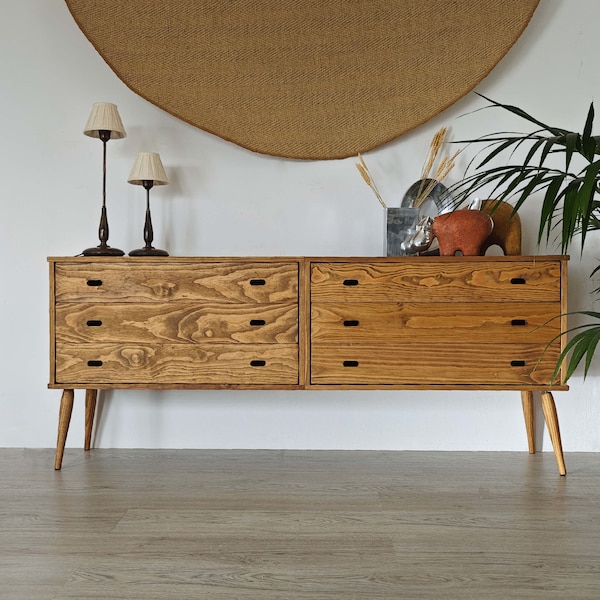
435, 364
181, 322
185, 364
462, 280
217, 281
419, 323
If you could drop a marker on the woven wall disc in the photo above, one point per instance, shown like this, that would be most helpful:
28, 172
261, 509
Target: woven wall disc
310, 79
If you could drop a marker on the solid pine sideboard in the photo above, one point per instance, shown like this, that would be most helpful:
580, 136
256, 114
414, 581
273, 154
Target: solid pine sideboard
422, 323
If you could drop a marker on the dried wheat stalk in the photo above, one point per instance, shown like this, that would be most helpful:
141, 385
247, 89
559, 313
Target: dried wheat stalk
434, 149
428, 181
364, 171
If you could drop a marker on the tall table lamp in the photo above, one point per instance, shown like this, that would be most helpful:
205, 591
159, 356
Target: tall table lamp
104, 123
148, 171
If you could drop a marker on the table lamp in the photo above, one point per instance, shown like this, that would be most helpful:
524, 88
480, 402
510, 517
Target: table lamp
104, 123
148, 171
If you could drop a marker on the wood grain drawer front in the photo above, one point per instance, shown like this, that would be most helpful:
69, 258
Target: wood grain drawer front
220, 282
435, 364
429, 281
409, 323
177, 322
148, 364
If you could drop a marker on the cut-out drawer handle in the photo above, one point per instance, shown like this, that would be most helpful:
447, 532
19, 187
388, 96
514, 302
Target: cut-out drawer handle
350, 363
351, 323
258, 363
94, 363
517, 363
257, 322
257, 282
94, 282
94, 323
518, 322
518, 280
350, 282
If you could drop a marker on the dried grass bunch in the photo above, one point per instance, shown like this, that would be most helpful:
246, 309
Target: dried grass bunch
446, 164
430, 177
366, 175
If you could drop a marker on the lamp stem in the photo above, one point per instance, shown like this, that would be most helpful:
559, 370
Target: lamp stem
103, 228
148, 231
104, 139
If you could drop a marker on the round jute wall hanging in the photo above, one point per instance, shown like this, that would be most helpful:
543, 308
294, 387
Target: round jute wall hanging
308, 79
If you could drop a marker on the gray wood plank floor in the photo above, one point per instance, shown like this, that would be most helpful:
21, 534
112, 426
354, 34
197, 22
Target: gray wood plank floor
179, 524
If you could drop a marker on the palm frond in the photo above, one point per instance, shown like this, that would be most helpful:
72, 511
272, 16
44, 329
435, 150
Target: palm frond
569, 196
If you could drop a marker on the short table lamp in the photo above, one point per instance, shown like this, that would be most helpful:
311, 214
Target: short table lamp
148, 171
104, 123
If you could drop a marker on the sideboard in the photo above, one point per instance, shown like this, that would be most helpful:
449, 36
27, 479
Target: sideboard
420, 323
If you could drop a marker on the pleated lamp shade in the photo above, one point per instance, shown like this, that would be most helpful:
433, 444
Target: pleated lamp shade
105, 117
148, 167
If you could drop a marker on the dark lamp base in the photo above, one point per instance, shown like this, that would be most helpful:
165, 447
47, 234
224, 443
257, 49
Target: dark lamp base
103, 250
148, 252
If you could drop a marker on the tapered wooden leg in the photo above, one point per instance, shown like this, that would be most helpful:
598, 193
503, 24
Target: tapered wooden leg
527, 399
64, 419
551, 417
90, 411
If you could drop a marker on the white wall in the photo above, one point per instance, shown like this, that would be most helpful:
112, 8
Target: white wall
224, 200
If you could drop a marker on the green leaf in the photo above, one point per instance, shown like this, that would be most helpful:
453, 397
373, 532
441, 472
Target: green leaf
521, 113
588, 143
550, 144
586, 197
532, 151
499, 149
583, 344
571, 143
549, 204
570, 213
591, 343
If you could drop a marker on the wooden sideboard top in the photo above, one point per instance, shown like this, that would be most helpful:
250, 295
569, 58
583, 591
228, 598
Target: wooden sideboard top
208, 259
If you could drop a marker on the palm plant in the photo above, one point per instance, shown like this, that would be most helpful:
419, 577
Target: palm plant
570, 203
